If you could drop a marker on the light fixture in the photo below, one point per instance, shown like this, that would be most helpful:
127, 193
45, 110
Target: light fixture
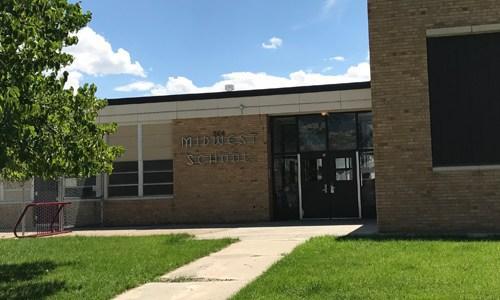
324, 114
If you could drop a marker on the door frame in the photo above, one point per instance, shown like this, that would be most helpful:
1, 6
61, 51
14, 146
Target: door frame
358, 189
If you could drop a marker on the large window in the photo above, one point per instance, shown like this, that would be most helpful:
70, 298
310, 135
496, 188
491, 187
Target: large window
285, 135
312, 133
86, 188
158, 177
124, 181
464, 89
146, 168
365, 128
15, 191
342, 131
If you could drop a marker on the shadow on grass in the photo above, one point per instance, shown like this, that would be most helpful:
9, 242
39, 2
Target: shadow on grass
420, 238
25, 280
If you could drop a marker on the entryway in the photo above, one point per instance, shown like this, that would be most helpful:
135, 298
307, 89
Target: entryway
329, 182
323, 166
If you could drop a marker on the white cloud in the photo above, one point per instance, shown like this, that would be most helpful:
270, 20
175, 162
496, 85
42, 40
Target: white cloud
273, 43
337, 58
327, 69
140, 86
73, 81
250, 81
328, 5
93, 55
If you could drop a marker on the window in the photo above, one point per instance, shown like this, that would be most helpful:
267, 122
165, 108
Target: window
285, 135
342, 131
157, 154
343, 169
312, 133
464, 72
85, 188
148, 148
124, 181
365, 127
15, 191
286, 188
158, 177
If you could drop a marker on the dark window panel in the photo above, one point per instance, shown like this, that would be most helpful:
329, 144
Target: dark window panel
158, 165
464, 72
151, 190
123, 179
83, 193
312, 133
125, 166
342, 131
86, 181
122, 191
365, 125
286, 191
285, 135
158, 177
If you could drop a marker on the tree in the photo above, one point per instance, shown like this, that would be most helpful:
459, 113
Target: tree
46, 130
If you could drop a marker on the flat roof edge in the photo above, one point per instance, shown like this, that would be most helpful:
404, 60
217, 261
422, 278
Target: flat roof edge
242, 93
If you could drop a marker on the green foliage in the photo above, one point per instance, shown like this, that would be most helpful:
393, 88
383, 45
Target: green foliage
45, 130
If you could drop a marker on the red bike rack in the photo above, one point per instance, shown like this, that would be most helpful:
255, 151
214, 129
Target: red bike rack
51, 217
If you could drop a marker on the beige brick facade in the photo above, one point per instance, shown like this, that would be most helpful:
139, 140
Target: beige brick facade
222, 192
411, 196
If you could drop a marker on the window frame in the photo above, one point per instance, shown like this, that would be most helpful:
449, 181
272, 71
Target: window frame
469, 146
140, 173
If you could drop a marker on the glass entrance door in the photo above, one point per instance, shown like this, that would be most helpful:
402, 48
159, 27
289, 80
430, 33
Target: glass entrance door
315, 166
316, 198
345, 193
329, 185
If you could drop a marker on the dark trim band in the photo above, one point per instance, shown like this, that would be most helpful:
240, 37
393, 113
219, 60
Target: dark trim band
238, 94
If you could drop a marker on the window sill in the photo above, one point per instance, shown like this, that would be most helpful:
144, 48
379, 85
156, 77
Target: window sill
159, 197
466, 168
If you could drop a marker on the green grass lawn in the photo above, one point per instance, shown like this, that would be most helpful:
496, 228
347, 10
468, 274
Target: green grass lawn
92, 267
383, 268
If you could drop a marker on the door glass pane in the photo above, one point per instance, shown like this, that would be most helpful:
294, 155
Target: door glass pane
367, 168
313, 169
367, 165
343, 163
285, 135
344, 175
344, 171
342, 131
312, 133
365, 130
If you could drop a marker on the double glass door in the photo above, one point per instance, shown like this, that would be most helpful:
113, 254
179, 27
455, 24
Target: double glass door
329, 185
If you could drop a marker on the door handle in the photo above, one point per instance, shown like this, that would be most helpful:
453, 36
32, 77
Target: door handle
325, 188
332, 189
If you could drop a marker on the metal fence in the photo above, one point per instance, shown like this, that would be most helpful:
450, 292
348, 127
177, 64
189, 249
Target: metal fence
80, 213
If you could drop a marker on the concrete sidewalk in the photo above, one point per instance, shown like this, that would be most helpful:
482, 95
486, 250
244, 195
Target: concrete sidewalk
220, 275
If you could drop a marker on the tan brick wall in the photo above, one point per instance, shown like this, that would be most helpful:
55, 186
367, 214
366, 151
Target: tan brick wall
212, 193
139, 212
410, 196
224, 192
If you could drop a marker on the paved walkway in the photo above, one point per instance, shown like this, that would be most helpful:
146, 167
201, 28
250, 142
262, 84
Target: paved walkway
222, 274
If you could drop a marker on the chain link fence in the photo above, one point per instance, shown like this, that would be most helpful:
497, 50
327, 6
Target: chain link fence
14, 197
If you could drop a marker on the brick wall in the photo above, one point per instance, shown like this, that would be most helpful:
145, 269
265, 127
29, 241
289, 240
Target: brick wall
411, 197
223, 192
208, 193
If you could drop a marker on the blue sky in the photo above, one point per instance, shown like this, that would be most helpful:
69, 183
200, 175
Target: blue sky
153, 47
